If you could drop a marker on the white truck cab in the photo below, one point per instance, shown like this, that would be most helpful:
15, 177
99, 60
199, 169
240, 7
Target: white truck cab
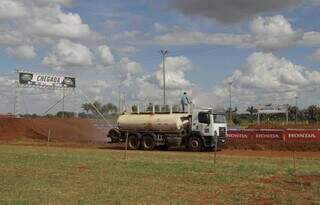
208, 126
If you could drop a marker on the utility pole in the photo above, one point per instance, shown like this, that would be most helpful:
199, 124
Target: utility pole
164, 53
16, 108
119, 102
230, 102
296, 118
63, 95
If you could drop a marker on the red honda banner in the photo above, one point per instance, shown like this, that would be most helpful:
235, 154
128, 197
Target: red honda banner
255, 134
302, 136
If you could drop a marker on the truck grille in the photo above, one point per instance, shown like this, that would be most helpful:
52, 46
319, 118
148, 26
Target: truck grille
222, 131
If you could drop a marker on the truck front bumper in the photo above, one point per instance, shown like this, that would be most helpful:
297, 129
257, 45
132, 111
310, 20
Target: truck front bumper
210, 141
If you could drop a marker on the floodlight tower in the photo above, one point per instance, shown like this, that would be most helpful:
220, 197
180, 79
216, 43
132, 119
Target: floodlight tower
164, 53
230, 101
296, 117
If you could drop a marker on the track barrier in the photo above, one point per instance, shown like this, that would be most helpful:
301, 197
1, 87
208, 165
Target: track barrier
285, 135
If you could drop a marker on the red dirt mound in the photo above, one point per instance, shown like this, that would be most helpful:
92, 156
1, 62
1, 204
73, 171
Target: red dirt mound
61, 130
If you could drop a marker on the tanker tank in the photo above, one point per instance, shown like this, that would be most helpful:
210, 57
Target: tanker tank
167, 123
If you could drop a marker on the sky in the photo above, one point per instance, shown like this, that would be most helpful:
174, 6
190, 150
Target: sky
268, 49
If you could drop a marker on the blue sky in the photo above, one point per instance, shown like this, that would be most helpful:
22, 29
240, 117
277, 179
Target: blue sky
269, 50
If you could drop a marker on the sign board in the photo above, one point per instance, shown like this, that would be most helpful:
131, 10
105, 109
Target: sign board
40, 80
272, 109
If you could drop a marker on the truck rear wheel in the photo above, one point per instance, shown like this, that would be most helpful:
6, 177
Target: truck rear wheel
148, 142
195, 144
133, 142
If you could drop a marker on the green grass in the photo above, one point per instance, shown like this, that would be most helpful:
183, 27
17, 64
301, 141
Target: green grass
40, 175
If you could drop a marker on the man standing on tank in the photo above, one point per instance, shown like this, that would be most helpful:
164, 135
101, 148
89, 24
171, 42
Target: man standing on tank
184, 101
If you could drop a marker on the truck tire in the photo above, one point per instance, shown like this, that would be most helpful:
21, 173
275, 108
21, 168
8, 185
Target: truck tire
148, 142
195, 144
133, 142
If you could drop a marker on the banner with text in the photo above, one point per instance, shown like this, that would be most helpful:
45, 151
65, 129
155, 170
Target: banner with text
40, 80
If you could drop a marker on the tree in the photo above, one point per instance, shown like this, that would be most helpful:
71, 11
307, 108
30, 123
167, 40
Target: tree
313, 113
96, 107
251, 110
111, 108
86, 107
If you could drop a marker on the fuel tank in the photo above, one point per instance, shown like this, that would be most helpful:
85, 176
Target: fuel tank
169, 123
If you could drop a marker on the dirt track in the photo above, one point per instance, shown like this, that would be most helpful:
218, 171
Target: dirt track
68, 132
61, 130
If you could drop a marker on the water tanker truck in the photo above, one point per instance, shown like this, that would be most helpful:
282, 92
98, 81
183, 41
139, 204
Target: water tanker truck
200, 129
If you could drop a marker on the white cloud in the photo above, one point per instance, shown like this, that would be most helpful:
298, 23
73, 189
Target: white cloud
105, 55
271, 77
128, 69
22, 52
181, 37
176, 67
48, 2
51, 21
311, 38
69, 54
97, 86
41, 21
112, 24
11, 37
272, 33
159, 28
316, 55
10, 9
125, 50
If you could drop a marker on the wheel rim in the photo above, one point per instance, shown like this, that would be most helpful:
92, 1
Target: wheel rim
133, 142
195, 144
148, 142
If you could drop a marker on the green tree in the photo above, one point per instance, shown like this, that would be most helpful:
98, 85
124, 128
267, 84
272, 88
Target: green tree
313, 113
252, 111
86, 107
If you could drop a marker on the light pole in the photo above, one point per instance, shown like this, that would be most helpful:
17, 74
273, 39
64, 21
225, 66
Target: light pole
164, 53
296, 119
230, 102
119, 99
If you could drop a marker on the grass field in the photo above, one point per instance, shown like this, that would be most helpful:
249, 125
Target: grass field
40, 175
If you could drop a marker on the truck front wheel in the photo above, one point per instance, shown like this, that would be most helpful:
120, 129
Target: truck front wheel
195, 144
148, 142
133, 142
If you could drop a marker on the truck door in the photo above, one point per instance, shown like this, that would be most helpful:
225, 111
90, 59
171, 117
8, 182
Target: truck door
204, 120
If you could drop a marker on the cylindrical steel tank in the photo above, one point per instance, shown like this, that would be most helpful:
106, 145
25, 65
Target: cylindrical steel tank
170, 123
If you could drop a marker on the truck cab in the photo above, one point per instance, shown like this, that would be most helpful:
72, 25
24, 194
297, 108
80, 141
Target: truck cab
208, 129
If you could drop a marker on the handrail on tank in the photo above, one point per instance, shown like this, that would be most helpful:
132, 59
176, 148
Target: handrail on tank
157, 109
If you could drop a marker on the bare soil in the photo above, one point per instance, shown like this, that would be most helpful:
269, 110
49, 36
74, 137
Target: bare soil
60, 130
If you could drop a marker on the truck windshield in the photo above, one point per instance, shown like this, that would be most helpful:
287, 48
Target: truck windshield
219, 118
